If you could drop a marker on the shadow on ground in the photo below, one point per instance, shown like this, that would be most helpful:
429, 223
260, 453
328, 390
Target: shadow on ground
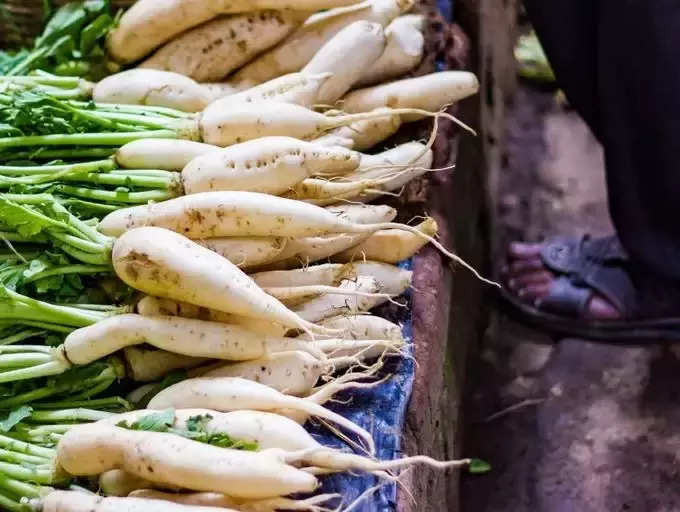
568, 426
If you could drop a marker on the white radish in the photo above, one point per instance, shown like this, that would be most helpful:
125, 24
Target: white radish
391, 279
148, 23
190, 337
152, 87
245, 252
310, 249
76, 501
365, 134
293, 373
206, 499
270, 165
91, 449
325, 274
144, 365
298, 88
409, 153
363, 327
291, 295
228, 213
390, 245
403, 52
211, 51
364, 41
116, 482
326, 306
299, 47
430, 92
334, 140
279, 433
240, 122
166, 154
155, 306
215, 214
324, 192
231, 393
217, 90
165, 264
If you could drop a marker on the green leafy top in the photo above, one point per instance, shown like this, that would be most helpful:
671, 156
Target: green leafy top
196, 429
72, 43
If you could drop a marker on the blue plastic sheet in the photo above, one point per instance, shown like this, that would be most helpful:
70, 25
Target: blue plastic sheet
382, 411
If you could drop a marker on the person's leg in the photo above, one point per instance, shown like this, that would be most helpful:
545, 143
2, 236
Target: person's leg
639, 94
635, 112
567, 30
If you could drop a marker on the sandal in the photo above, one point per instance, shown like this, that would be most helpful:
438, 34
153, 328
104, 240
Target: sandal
583, 267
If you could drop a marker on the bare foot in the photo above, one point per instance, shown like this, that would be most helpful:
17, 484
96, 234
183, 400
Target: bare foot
528, 278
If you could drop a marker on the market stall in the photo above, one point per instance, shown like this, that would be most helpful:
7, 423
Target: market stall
130, 193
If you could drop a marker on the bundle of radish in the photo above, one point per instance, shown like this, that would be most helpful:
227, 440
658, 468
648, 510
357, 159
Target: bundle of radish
216, 124
216, 214
299, 48
148, 24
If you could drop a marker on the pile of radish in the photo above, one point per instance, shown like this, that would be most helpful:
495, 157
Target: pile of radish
241, 254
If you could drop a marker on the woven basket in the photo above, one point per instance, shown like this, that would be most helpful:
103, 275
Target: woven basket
22, 20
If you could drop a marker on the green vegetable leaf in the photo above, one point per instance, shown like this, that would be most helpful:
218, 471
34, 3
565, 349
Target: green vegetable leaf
198, 423
14, 417
94, 31
155, 422
479, 466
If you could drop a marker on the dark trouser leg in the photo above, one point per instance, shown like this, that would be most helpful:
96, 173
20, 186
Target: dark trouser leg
619, 65
568, 32
639, 97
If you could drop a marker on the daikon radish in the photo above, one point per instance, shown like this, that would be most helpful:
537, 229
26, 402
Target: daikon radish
365, 134
390, 245
217, 90
189, 337
325, 274
166, 154
152, 87
144, 365
232, 393
165, 264
116, 482
363, 327
326, 306
76, 501
91, 449
246, 252
207, 499
299, 47
391, 279
334, 140
241, 122
148, 23
403, 51
310, 249
364, 41
430, 92
293, 373
155, 306
211, 51
291, 295
324, 192
215, 214
270, 165
298, 88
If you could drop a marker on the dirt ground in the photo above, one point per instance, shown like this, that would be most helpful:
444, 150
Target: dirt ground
568, 426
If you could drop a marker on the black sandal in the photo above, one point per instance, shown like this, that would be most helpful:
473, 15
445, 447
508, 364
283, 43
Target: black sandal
583, 267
